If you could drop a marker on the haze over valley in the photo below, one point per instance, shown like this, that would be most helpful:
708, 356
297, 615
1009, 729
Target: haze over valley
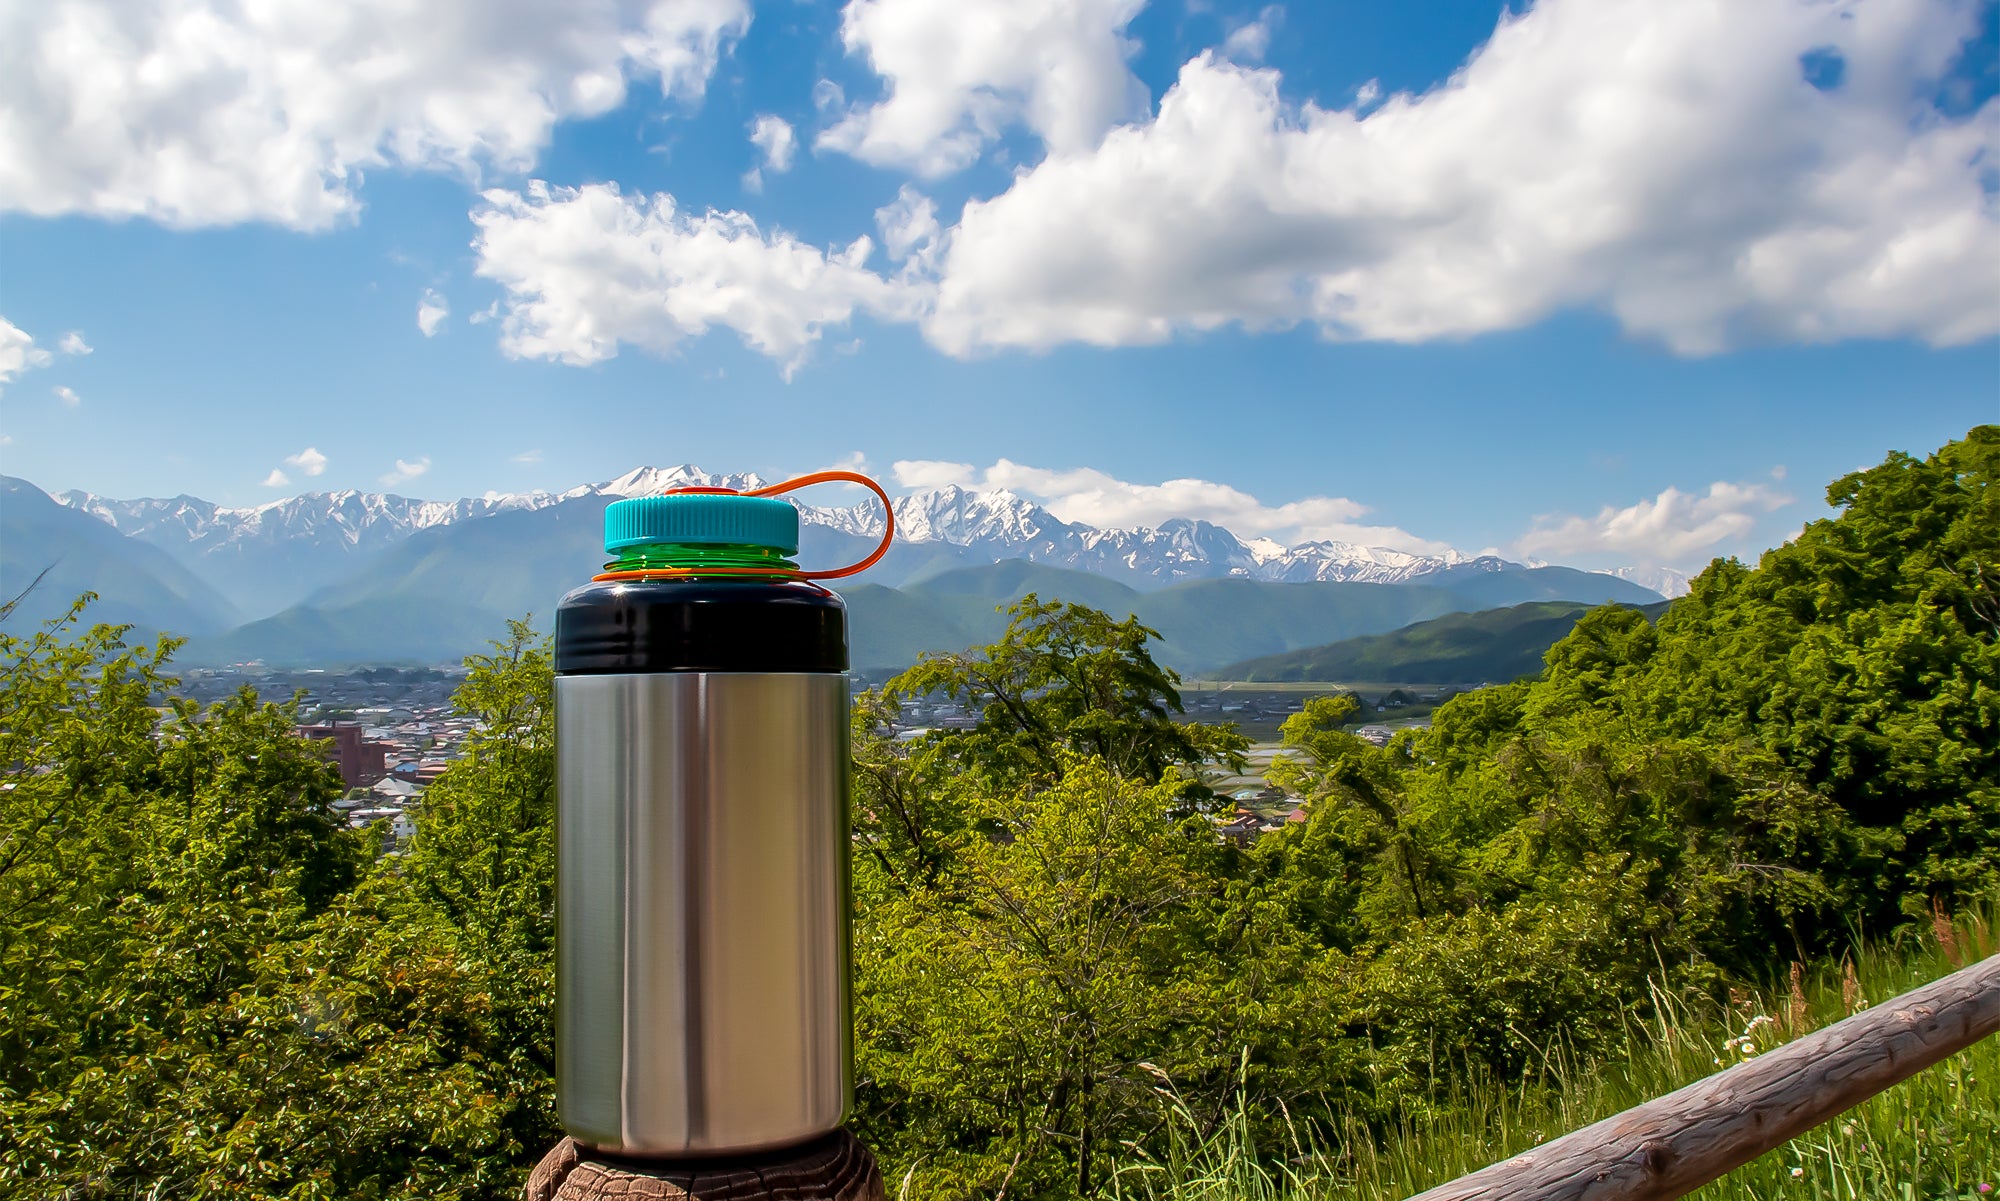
346, 577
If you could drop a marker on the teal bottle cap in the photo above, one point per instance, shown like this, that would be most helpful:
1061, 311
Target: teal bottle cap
702, 519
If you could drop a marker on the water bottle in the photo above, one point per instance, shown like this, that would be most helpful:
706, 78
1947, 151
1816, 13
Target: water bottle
702, 946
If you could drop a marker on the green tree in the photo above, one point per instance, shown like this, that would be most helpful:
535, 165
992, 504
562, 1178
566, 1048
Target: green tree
1041, 907
149, 860
1016, 1015
210, 986
1359, 829
1066, 681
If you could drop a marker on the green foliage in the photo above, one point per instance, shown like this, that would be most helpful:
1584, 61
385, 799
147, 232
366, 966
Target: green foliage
1862, 659
1066, 983
1007, 1011
1064, 681
211, 986
1935, 1137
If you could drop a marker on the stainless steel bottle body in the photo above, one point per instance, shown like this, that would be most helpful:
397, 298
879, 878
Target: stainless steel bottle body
702, 932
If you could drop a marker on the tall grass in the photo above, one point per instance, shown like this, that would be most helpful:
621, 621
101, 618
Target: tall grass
1932, 1137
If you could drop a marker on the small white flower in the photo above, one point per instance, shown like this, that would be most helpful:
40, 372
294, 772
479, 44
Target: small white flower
1798, 1172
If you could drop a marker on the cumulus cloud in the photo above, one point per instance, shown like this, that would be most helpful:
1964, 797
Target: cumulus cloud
1100, 499
934, 473
277, 479
404, 471
431, 312
210, 112
68, 396
958, 74
1676, 165
588, 268
910, 230
1673, 527
1251, 41
853, 460
773, 136
18, 351
73, 343
309, 461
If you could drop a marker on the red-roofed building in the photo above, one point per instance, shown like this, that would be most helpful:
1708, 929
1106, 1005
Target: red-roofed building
361, 762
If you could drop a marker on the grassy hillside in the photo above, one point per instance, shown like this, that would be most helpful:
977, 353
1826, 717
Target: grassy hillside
1493, 646
136, 584
1936, 1135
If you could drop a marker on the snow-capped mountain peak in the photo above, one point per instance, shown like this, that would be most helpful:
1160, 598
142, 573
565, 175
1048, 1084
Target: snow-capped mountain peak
1664, 580
966, 518
651, 481
277, 551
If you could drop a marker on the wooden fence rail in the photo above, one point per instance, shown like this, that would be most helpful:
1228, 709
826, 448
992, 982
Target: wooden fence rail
1674, 1144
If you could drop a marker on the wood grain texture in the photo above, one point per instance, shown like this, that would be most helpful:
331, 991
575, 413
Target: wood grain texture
1674, 1144
834, 1168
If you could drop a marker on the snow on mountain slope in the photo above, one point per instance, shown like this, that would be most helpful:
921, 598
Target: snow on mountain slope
315, 535
1663, 580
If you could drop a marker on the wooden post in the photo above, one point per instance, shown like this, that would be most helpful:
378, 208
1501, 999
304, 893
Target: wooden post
834, 1168
1674, 1144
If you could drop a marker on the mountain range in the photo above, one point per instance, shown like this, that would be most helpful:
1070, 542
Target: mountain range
350, 576
276, 554
1489, 646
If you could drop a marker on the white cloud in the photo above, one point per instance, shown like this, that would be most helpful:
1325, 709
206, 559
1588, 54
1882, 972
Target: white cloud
309, 461
528, 458
73, 343
909, 226
68, 396
18, 351
586, 269
276, 479
853, 460
405, 471
431, 312
1674, 527
211, 112
1251, 41
957, 74
934, 473
1100, 499
774, 136
1668, 163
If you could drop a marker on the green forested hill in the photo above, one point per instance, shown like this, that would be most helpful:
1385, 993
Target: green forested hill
135, 583
438, 598
1202, 624
1488, 647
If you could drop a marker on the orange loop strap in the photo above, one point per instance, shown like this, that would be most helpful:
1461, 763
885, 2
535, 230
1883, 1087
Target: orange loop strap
804, 481
834, 477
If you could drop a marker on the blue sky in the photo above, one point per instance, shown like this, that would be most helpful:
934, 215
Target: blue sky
1618, 283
